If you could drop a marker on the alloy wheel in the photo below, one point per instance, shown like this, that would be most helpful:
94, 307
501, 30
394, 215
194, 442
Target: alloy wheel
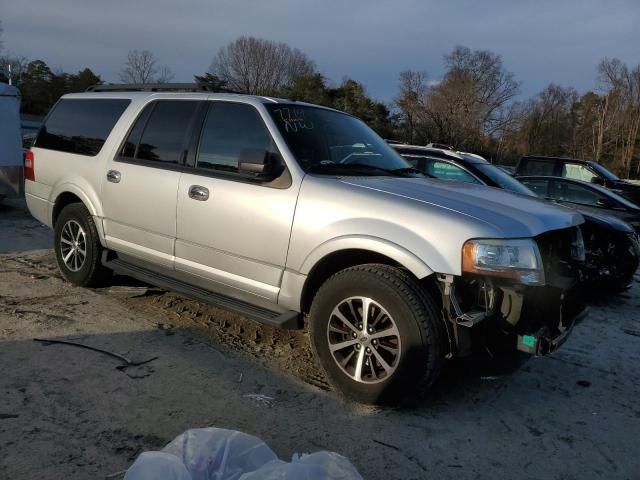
364, 340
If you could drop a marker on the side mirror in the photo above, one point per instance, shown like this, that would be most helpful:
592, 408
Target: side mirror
260, 164
597, 180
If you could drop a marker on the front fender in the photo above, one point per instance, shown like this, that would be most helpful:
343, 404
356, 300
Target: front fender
365, 242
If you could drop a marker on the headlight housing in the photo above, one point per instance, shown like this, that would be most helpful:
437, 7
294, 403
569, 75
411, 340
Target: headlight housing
517, 259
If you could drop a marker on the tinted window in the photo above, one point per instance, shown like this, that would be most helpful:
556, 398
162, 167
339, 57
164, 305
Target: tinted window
133, 139
577, 172
164, 137
80, 126
538, 167
230, 129
330, 142
571, 192
448, 171
538, 186
502, 178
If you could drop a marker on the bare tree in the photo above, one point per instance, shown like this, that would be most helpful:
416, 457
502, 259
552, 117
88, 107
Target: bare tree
473, 102
1, 42
492, 86
622, 85
260, 67
410, 101
15, 65
165, 75
142, 67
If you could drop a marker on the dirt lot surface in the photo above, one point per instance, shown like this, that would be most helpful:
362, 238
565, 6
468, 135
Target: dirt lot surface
69, 413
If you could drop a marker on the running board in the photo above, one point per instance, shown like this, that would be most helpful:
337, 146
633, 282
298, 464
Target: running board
288, 320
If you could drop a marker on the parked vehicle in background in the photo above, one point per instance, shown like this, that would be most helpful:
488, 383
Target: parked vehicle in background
612, 248
510, 169
28, 139
279, 209
10, 142
587, 197
585, 170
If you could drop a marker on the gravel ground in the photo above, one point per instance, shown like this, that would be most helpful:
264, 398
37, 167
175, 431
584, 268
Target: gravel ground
70, 413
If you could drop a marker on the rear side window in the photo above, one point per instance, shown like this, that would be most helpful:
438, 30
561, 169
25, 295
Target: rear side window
229, 129
448, 171
80, 126
539, 186
538, 167
571, 192
161, 132
577, 172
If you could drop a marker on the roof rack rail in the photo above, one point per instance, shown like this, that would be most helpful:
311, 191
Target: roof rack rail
441, 146
157, 87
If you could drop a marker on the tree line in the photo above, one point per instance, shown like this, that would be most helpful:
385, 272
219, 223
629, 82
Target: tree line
475, 106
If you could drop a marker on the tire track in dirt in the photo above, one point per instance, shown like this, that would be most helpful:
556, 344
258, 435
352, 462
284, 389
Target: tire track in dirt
282, 350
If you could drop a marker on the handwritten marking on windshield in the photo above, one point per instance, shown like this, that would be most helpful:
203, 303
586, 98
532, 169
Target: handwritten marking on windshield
294, 119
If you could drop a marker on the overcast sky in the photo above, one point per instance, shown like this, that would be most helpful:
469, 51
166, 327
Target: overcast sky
541, 41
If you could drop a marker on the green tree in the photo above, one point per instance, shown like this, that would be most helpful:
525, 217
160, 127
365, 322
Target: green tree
351, 97
311, 88
83, 80
211, 81
37, 95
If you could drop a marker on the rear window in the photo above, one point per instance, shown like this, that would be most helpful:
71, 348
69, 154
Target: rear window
80, 126
540, 167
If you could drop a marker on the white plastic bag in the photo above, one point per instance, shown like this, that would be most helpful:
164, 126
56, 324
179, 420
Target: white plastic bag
218, 454
315, 466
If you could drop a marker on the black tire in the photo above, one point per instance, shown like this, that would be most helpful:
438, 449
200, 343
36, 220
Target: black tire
91, 272
416, 316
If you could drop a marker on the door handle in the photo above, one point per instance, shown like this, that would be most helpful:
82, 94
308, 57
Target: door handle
198, 192
113, 176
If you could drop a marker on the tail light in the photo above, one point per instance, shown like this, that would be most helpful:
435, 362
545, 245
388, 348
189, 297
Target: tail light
29, 166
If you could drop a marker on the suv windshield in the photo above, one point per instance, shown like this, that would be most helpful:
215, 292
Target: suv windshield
502, 178
326, 141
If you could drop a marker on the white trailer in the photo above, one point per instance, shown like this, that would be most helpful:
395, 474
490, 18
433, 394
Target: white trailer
11, 182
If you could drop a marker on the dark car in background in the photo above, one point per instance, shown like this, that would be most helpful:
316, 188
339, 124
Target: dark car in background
585, 170
587, 197
612, 248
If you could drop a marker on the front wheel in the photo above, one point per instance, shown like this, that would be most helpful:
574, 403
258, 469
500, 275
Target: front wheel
77, 247
377, 334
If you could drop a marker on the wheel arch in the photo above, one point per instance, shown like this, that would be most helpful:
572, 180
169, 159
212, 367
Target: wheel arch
70, 192
325, 262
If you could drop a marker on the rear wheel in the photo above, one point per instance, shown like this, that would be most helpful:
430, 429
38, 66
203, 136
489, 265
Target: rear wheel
77, 247
377, 334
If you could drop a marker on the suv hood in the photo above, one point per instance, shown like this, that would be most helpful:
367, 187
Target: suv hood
511, 214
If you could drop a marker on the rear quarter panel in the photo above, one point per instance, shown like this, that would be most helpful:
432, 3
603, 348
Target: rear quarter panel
59, 172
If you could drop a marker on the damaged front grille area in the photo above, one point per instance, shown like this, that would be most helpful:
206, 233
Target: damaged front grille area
499, 315
563, 255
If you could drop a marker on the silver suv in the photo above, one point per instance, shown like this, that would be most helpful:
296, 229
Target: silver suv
285, 211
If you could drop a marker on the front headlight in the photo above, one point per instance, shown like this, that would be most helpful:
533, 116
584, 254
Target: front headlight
517, 259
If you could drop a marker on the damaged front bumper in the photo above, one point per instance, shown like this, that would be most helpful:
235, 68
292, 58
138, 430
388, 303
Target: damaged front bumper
483, 314
497, 315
